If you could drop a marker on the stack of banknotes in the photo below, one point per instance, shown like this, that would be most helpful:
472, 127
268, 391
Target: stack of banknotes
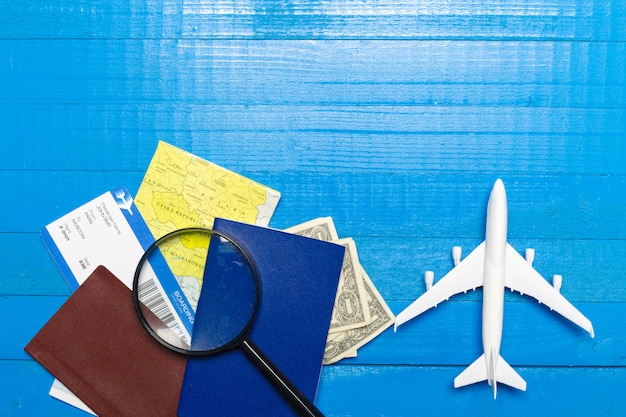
360, 313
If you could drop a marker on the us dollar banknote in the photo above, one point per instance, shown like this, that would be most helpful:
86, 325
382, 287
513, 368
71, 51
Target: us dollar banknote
322, 228
350, 309
345, 344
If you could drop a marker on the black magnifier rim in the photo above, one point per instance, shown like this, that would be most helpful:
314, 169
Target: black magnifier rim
236, 341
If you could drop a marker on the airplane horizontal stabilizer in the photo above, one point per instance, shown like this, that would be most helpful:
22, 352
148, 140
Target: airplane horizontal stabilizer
508, 375
476, 372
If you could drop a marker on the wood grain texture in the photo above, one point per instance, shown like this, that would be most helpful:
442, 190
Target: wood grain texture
394, 117
382, 204
301, 19
413, 391
431, 72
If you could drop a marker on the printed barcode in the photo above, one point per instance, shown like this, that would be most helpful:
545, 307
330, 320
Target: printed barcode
152, 298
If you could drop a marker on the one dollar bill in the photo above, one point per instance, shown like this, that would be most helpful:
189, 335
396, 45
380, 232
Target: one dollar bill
345, 344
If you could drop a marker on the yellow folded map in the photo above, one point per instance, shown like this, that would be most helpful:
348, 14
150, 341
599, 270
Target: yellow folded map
183, 190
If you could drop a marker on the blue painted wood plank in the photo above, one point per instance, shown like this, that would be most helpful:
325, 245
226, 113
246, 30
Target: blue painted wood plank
111, 120
47, 195
105, 149
31, 270
416, 391
24, 392
26, 324
520, 19
369, 204
431, 73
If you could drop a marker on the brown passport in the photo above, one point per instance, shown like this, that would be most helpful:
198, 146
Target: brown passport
96, 346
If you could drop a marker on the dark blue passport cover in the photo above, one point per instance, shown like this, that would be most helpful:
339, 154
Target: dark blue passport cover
299, 278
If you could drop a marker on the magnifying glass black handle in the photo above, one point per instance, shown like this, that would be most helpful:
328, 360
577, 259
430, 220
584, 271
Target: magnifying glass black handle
290, 392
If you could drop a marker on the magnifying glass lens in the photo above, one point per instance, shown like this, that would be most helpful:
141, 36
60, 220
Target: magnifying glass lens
197, 291
228, 298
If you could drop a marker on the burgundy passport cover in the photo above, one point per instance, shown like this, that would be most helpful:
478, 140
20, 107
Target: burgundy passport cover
96, 346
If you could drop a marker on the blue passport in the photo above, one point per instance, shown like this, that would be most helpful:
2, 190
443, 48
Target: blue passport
299, 278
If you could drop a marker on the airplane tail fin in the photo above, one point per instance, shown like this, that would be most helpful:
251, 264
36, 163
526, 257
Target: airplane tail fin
493, 372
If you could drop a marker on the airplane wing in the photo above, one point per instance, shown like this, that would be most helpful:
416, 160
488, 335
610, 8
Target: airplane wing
523, 278
467, 275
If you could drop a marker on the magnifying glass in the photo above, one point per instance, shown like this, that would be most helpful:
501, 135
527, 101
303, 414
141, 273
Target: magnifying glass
197, 292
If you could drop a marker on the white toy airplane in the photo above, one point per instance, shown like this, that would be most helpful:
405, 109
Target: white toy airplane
494, 264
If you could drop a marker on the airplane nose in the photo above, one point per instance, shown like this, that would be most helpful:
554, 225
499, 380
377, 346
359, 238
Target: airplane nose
498, 193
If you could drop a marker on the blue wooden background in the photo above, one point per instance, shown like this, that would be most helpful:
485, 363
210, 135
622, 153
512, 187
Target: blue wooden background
394, 117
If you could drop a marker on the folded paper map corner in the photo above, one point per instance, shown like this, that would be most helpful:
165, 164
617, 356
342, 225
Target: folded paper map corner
181, 190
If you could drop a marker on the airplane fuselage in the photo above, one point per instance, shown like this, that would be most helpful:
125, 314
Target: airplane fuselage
493, 273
